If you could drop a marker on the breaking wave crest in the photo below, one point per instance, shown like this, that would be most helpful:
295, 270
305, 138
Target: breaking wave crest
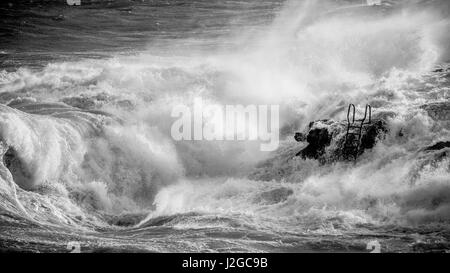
61, 157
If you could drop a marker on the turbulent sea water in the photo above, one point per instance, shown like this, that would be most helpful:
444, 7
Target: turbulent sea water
86, 96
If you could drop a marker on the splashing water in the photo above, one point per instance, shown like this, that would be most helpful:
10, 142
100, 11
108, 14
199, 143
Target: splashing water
87, 149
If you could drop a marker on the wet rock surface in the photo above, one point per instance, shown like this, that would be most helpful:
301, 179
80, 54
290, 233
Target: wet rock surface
438, 146
318, 139
327, 140
439, 111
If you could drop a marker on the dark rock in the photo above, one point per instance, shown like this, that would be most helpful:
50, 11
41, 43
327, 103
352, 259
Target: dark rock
299, 137
369, 138
318, 139
438, 146
327, 140
439, 111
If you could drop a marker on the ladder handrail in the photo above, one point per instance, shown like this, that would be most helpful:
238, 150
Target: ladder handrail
369, 107
348, 113
368, 110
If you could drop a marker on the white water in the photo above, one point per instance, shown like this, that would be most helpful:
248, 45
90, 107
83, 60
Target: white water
312, 61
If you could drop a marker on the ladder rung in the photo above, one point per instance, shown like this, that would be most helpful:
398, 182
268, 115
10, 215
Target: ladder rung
353, 126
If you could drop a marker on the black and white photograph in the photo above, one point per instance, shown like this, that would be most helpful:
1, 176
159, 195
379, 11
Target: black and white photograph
224, 126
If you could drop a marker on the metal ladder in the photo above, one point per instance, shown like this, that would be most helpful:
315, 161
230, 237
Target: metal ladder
353, 137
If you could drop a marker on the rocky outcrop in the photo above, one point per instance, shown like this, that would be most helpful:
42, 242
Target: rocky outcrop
327, 140
438, 146
318, 139
438, 111
373, 133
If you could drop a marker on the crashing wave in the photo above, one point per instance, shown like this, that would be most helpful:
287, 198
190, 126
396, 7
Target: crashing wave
58, 154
